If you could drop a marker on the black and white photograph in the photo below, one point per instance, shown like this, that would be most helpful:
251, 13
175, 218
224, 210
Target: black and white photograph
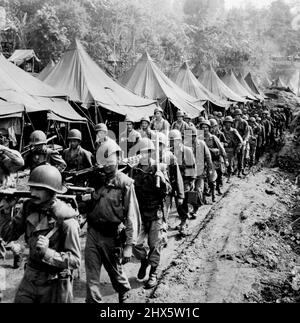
149, 154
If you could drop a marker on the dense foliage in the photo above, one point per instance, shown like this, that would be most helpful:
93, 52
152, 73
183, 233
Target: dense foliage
116, 32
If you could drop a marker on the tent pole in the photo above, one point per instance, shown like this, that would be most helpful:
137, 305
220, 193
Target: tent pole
89, 130
22, 133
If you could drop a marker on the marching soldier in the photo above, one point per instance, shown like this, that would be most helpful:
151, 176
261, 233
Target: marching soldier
159, 123
129, 138
241, 126
150, 198
233, 144
10, 162
217, 153
75, 156
204, 168
253, 140
187, 165
268, 127
41, 154
260, 139
113, 225
180, 124
145, 130
52, 233
191, 125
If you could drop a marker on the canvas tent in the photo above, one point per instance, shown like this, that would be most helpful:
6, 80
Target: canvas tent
278, 82
246, 86
186, 80
86, 83
147, 80
45, 72
255, 89
213, 83
18, 86
21, 56
231, 81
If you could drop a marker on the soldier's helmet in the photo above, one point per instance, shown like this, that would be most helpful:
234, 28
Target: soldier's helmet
47, 177
175, 135
158, 109
266, 112
245, 118
252, 119
180, 114
201, 119
213, 122
145, 144
162, 138
106, 150
101, 127
206, 122
186, 116
74, 134
220, 114
228, 119
38, 137
238, 112
145, 119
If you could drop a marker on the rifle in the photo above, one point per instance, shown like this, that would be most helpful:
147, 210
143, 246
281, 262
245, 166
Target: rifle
68, 197
29, 147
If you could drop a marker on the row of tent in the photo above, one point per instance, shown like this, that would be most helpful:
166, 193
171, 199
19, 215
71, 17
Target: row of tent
77, 78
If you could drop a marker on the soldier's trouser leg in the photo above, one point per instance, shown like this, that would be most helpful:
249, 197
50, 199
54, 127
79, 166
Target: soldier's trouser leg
241, 159
199, 187
167, 207
252, 155
107, 251
41, 287
219, 180
152, 231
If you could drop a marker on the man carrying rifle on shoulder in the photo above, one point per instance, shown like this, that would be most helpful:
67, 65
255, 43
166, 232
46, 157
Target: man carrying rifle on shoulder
40, 154
10, 162
113, 218
52, 233
76, 157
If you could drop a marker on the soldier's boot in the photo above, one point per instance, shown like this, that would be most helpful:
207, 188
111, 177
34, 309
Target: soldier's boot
143, 269
123, 297
17, 261
219, 190
152, 281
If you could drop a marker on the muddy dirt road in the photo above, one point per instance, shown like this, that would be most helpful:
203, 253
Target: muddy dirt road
238, 250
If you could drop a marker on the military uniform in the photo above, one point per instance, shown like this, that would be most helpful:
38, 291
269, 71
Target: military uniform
243, 129
48, 277
45, 156
77, 159
180, 126
160, 125
128, 141
113, 207
150, 200
10, 162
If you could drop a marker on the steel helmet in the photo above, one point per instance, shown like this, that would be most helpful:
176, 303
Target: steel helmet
145, 144
101, 127
145, 119
238, 112
252, 119
158, 109
213, 122
179, 114
215, 113
162, 138
258, 119
38, 137
228, 119
206, 122
186, 116
201, 119
265, 112
255, 115
175, 134
74, 134
107, 148
220, 114
245, 118
47, 177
